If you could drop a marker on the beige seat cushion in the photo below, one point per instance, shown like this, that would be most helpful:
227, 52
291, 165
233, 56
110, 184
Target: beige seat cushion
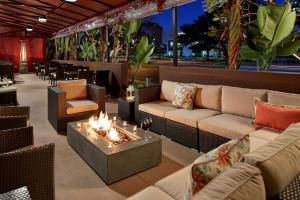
241, 101
266, 134
208, 96
241, 182
175, 184
190, 117
279, 160
77, 106
157, 108
167, 90
281, 98
227, 125
151, 193
75, 89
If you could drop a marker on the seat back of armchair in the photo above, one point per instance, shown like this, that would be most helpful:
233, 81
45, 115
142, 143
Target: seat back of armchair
75, 89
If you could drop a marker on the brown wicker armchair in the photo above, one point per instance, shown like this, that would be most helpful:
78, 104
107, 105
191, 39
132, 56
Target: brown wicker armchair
14, 117
23, 165
72, 101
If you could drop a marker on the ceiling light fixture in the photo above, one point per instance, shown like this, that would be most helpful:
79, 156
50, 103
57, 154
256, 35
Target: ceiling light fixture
71, 0
29, 29
43, 19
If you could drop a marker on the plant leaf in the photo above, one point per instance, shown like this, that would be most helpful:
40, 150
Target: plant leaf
290, 45
247, 53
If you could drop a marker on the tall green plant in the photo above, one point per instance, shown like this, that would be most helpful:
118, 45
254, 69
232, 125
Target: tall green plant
88, 50
271, 35
67, 47
117, 43
59, 47
130, 28
143, 53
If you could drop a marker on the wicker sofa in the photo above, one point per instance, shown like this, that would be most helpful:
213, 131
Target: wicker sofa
221, 113
260, 175
73, 100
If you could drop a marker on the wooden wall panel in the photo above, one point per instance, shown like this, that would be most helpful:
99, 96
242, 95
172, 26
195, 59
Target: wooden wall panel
279, 81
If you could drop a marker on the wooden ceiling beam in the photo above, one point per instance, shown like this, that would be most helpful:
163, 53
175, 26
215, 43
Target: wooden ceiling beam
49, 12
83, 7
105, 4
41, 25
36, 17
71, 11
24, 26
22, 3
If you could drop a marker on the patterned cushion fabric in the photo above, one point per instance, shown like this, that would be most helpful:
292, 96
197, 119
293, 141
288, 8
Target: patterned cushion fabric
184, 96
208, 166
292, 191
167, 90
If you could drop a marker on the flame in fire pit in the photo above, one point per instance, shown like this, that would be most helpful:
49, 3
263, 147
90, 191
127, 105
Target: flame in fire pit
113, 134
104, 127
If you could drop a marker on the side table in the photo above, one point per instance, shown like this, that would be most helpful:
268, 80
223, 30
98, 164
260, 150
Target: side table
8, 96
126, 109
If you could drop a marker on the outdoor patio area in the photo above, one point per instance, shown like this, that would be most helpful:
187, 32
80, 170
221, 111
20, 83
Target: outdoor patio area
149, 100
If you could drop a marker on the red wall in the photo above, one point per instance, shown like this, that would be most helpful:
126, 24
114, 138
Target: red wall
10, 50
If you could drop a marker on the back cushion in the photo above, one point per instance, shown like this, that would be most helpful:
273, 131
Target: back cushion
281, 98
208, 96
168, 90
241, 101
279, 160
241, 182
75, 89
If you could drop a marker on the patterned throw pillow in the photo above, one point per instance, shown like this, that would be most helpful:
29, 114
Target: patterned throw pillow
208, 166
184, 96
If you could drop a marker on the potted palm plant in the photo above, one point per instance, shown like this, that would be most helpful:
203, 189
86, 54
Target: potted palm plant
144, 50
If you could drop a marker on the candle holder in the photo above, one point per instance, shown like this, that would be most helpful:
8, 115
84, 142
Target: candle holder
110, 146
78, 124
134, 129
124, 123
114, 119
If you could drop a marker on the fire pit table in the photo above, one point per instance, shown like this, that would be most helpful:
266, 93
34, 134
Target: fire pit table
116, 150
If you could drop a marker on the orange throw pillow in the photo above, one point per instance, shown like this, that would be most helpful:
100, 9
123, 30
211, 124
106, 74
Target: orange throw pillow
275, 116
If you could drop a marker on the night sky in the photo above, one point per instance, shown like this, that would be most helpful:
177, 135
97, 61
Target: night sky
186, 14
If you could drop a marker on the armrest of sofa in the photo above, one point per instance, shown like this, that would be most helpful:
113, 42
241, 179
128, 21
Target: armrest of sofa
15, 111
12, 139
97, 94
11, 122
56, 102
144, 95
147, 94
31, 167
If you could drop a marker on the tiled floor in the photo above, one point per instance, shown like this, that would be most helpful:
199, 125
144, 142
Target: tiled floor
74, 179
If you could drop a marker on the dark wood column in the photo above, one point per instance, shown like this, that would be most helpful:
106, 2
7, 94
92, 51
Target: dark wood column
175, 36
